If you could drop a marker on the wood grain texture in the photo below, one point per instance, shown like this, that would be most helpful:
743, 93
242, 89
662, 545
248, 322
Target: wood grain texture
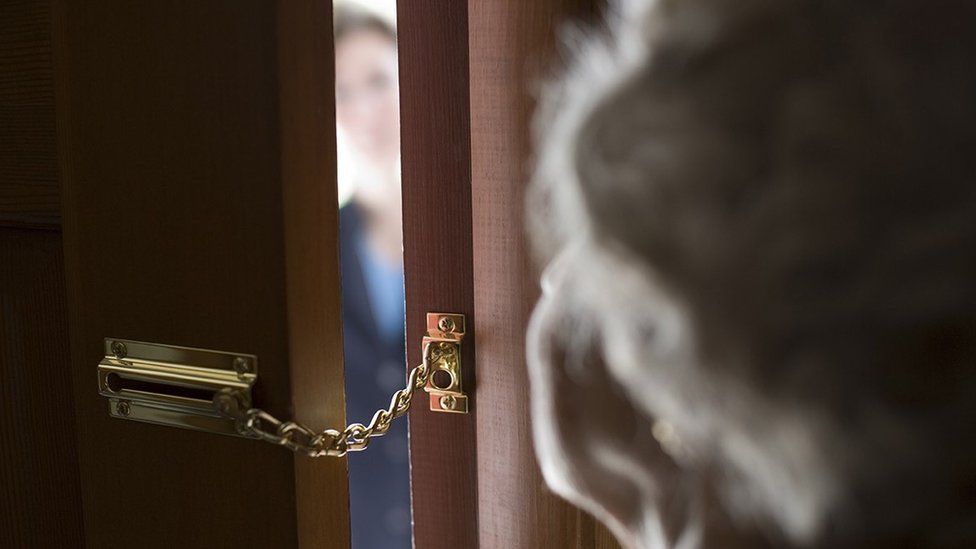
511, 47
29, 191
308, 164
40, 496
435, 145
172, 145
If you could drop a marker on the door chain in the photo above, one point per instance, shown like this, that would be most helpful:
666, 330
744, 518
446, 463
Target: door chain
257, 423
211, 391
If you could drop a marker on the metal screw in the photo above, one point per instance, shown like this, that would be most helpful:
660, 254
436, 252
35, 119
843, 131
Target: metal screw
223, 406
228, 402
123, 408
118, 349
446, 324
242, 365
448, 402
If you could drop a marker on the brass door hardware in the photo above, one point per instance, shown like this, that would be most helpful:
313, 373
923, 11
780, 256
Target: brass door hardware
442, 353
211, 390
175, 386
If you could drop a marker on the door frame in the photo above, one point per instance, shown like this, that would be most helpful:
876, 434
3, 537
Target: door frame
437, 257
467, 71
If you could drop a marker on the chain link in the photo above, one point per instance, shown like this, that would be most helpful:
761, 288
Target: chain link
257, 423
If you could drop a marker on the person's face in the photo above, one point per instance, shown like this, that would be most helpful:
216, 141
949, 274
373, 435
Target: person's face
598, 443
367, 96
580, 414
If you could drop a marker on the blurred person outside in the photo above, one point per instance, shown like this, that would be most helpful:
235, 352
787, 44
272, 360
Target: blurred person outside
370, 233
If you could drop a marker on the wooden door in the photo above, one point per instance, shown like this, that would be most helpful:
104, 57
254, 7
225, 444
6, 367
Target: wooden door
199, 208
467, 74
514, 47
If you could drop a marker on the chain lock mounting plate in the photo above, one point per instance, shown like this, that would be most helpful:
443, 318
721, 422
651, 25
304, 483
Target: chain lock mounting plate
176, 386
442, 355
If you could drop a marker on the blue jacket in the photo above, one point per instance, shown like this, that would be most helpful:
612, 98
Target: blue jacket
375, 366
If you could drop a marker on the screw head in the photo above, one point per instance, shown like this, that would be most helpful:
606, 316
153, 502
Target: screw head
228, 402
118, 349
448, 402
123, 408
446, 324
242, 365
223, 406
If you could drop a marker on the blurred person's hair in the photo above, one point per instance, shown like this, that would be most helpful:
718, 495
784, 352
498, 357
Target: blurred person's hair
795, 179
348, 18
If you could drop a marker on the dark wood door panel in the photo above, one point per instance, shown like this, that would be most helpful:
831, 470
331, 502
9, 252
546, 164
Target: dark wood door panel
40, 496
171, 214
29, 191
182, 226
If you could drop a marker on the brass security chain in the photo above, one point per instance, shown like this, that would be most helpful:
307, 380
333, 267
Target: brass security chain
260, 424
148, 381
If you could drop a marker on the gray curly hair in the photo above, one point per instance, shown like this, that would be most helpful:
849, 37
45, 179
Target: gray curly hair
773, 210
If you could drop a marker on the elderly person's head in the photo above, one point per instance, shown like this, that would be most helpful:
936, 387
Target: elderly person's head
758, 324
